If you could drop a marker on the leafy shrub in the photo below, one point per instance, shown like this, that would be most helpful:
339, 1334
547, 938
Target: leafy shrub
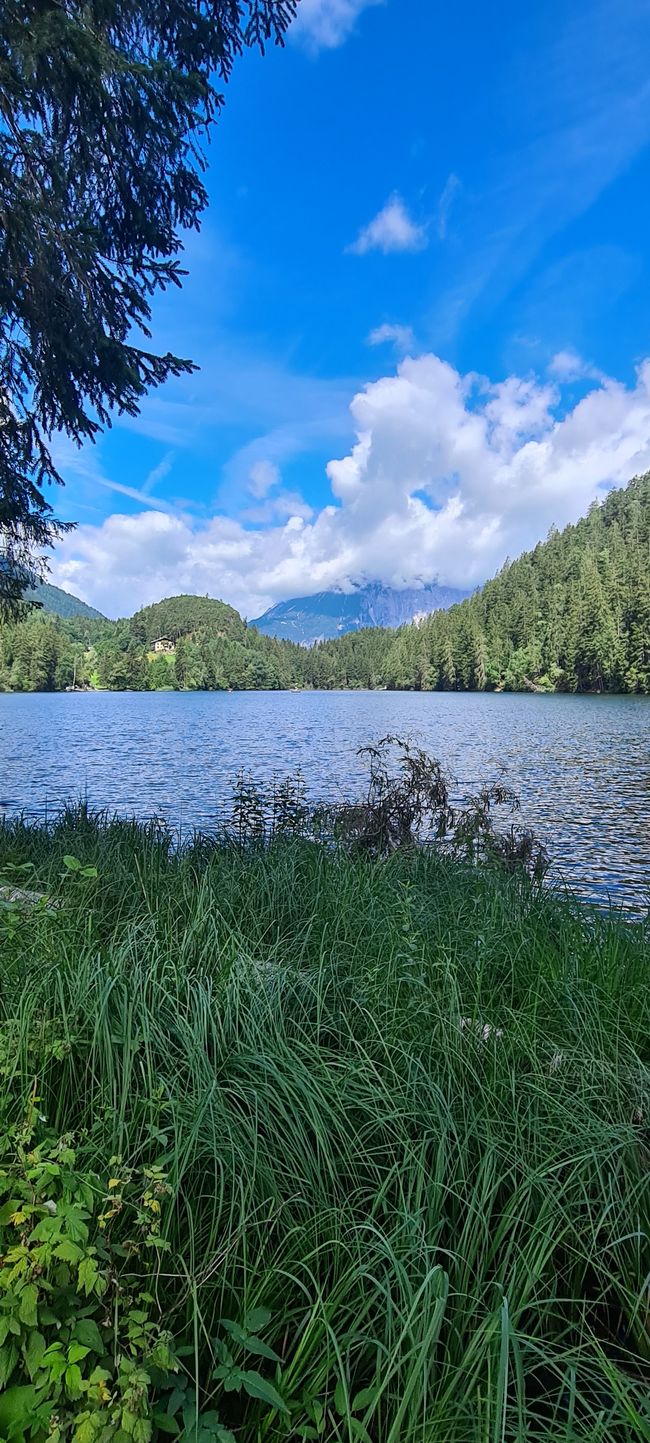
407, 802
85, 1355
81, 1337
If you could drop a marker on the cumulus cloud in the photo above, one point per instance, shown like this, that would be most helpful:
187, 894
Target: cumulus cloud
326, 24
391, 230
569, 366
401, 337
449, 474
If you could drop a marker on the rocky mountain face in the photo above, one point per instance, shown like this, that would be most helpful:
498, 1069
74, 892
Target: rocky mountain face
327, 614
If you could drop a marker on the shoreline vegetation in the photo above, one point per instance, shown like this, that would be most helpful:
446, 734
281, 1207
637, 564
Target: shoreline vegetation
313, 1133
571, 616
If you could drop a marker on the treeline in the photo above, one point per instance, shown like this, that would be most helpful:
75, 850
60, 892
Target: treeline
572, 615
46, 653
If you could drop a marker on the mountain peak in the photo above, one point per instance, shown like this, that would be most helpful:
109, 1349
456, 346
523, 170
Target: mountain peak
328, 614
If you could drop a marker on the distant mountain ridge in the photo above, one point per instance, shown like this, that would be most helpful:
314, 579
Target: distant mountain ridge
328, 614
61, 603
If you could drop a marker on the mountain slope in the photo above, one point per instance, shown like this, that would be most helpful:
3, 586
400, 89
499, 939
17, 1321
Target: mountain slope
61, 603
177, 616
328, 614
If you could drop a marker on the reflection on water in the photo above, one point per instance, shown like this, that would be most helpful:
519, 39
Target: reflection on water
581, 765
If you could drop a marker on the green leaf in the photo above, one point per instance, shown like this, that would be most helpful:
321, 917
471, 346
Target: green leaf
68, 1251
256, 1319
73, 1380
27, 1307
358, 1431
165, 1423
341, 1399
8, 1360
77, 1352
17, 1409
90, 1278
72, 863
87, 1332
249, 1342
33, 1350
223, 1354
8, 1209
207, 1429
260, 1349
365, 1398
45, 1230
176, 1398
232, 1378
85, 1431
258, 1387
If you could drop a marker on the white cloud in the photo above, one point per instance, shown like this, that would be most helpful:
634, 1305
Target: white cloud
390, 231
264, 475
280, 507
159, 472
401, 337
450, 191
569, 366
326, 24
449, 474
82, 463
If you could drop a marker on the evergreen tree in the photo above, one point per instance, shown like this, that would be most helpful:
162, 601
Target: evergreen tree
104, 104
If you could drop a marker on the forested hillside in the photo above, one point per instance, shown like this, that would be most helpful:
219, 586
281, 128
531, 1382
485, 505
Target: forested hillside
182, 615
211, 650
60, 603
572, 615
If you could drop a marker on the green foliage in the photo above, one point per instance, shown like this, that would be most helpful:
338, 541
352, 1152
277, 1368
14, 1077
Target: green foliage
402, 1110
104, 108
60, 603
183, 616
81, 1336
572, 615
84, 1354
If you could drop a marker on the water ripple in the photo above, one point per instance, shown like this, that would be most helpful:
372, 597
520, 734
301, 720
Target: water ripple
581, 765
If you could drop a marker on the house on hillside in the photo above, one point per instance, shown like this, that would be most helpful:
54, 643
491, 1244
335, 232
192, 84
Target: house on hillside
164, 644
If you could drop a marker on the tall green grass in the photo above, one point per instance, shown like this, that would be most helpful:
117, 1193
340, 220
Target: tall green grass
405, 1105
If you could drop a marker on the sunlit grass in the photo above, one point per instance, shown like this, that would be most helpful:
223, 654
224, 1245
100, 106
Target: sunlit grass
454, 1220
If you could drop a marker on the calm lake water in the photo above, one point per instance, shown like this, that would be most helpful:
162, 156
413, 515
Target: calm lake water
581, 765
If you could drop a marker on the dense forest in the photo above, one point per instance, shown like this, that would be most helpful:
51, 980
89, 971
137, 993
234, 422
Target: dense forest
571, 615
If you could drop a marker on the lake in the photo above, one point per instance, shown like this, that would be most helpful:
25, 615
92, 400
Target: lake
581, 765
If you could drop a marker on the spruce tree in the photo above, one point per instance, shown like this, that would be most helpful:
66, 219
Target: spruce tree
104, 105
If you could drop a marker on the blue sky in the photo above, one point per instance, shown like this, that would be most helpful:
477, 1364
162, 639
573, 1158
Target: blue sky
420, 305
